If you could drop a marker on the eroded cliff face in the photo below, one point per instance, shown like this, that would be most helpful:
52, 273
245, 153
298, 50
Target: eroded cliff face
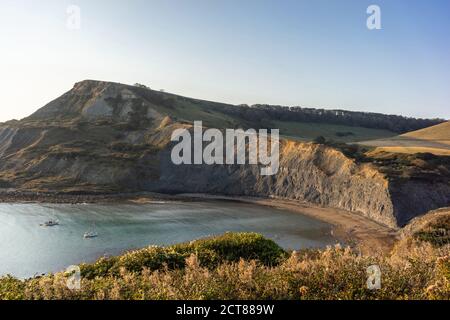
412, 198
308, 172
316, 174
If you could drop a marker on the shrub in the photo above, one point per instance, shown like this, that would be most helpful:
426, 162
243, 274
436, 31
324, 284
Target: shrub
11, 288
233, 247
211, 251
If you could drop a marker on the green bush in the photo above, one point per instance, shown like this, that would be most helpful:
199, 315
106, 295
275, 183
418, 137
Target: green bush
229, 247
11, 288
232, 247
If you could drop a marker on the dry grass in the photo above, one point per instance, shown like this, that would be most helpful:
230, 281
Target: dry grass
414, 270
411, 150
435, 140
439, 133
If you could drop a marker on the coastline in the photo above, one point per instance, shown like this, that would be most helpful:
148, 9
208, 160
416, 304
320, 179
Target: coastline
75, 198
352, 228
348, 227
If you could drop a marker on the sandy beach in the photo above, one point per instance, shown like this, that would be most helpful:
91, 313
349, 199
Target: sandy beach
352, 228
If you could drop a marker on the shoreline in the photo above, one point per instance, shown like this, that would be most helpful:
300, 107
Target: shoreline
351, 228
92, 198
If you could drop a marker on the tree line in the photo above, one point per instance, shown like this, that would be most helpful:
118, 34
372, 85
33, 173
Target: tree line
263, 114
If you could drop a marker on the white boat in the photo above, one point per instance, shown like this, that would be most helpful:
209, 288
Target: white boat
50, 223
91, 234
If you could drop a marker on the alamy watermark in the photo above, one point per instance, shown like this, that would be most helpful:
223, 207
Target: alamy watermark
73, 19
374, 20
73, 281
262, 148
373, 277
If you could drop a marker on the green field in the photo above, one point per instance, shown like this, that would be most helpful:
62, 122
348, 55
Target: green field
310, 131
212, 116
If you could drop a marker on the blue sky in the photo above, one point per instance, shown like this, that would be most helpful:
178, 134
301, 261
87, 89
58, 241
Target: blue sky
315, 53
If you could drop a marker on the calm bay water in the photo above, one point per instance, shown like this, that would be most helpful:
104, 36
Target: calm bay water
27, 249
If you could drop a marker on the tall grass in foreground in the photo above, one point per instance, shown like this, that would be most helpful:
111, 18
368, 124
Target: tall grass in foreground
248, 266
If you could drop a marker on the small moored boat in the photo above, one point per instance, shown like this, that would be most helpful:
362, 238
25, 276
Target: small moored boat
50, 223
91, 234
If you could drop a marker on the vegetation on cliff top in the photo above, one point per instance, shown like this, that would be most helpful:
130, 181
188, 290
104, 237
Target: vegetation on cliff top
248, 266
436, 232
419, 166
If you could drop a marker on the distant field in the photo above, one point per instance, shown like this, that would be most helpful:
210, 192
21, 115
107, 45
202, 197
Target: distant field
436, 134
187, 111
435, 139
310, 131
212, 116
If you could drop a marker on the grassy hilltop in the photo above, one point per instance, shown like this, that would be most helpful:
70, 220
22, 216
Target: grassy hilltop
435, 140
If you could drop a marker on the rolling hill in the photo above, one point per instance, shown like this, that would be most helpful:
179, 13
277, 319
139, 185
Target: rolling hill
435, 140
102, 100
439, 133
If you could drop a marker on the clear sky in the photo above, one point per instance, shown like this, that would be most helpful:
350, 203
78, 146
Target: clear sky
315, 53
